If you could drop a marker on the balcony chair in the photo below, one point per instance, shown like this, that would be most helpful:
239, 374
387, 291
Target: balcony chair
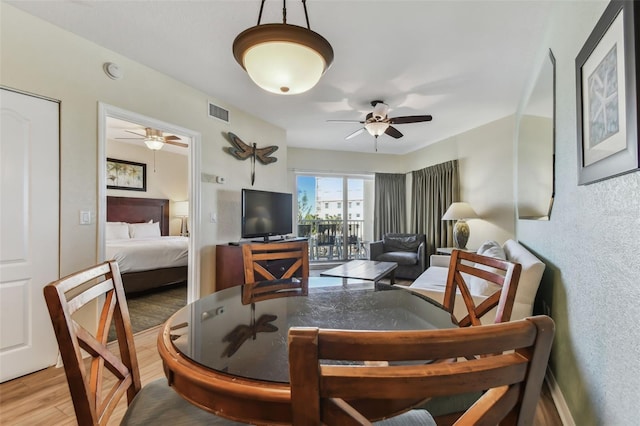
95, 397
370, 375
407, 250
326, 239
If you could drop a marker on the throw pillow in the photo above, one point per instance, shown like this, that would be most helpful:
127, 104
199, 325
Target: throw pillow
479, 286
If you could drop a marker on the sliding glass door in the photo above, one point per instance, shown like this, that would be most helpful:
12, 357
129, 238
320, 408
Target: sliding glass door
336, 213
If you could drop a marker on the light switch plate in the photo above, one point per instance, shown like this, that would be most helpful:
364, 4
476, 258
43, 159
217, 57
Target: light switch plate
85, 217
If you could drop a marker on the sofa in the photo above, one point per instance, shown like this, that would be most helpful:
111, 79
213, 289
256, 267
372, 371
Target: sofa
407, 250
433, 280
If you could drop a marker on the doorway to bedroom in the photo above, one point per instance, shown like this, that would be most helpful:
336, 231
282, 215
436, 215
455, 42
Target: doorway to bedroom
146, 191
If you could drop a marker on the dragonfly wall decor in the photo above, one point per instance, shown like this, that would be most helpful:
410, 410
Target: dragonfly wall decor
242, 151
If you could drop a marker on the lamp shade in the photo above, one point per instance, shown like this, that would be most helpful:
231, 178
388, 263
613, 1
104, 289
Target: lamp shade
458, 211
181, 208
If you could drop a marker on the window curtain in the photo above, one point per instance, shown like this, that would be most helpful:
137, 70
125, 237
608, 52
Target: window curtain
389, 204
433, 190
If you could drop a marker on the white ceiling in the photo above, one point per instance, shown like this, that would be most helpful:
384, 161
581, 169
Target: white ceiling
464, 62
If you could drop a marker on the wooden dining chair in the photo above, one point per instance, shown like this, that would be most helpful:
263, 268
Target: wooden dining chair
468, 269
99, 382
342, 377
274, 261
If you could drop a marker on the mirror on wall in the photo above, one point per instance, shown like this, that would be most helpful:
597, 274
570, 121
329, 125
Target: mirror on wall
536, 147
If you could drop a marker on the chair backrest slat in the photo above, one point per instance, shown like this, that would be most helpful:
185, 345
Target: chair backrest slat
504, 274
99, 284
256, 257
332, 375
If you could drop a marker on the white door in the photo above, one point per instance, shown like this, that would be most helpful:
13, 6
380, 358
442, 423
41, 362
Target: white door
29, 241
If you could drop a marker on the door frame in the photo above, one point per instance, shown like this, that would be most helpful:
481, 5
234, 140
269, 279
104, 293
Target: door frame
106, 110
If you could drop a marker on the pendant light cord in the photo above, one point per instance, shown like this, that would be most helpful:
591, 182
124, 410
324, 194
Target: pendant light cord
284, 12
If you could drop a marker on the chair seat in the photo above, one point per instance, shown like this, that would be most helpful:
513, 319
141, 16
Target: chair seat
410, 418
158, 404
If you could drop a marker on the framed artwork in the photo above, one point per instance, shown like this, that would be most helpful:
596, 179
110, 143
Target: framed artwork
127, 175
607, 95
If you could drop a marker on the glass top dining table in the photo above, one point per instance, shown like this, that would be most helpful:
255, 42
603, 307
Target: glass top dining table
227, 352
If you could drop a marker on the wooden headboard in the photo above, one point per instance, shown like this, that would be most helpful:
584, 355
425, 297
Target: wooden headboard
138, 210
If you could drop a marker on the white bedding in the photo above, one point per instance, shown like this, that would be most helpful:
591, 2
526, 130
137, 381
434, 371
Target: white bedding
143, 254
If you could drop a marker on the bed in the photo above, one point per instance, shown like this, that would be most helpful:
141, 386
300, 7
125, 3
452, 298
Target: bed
137, 237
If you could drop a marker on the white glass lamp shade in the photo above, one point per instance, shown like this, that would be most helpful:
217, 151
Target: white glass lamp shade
376, 128
181, 208
154, 144
281, 58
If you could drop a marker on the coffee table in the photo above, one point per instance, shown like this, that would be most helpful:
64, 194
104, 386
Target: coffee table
369, 270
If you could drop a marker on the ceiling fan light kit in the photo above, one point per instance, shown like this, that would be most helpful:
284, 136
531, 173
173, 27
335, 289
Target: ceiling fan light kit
154, 144
282, 58
376, 128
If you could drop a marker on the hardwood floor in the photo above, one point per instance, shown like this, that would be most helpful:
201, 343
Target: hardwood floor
42, 398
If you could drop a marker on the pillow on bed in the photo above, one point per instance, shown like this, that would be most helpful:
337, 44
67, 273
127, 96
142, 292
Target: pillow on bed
144, 230
116, 231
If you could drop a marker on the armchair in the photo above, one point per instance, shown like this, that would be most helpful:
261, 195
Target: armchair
407, 250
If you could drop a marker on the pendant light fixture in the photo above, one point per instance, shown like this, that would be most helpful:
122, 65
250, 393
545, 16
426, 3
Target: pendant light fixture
282, 58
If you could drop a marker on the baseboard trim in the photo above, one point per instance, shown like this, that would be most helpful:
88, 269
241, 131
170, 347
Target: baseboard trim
558, 399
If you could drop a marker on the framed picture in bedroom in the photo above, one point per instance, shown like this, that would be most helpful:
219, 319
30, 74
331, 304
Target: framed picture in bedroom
607, 95
122, 174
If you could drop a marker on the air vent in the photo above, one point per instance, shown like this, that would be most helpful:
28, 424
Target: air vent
218, 112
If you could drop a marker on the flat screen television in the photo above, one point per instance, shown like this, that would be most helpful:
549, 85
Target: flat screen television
266, 214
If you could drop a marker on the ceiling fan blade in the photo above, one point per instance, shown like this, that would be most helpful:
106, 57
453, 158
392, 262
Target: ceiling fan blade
345, 121
169, 142
410, 119
356, 133
142, 136
393, 132
172, 138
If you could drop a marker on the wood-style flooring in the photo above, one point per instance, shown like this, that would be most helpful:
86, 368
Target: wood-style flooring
42, 398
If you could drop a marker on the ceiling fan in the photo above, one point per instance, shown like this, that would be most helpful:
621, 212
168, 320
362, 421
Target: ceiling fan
377, 122
155, 140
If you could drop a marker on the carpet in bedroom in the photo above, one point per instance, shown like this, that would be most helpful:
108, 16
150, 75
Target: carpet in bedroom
150, 309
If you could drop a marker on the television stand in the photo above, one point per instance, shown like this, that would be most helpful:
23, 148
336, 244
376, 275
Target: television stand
280, 240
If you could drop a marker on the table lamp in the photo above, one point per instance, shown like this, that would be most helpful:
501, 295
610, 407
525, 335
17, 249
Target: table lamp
181, 210
460, 211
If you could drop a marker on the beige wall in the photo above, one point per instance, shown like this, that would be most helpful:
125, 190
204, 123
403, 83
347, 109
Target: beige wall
485, 160
167, 175
591, 247
40, 58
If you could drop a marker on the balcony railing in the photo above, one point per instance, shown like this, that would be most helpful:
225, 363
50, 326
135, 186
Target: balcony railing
333, 239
